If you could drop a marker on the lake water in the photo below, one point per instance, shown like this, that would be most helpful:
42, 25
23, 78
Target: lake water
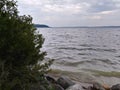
85, 54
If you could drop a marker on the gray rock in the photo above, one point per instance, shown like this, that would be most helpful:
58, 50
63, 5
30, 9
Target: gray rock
98, 86
90, 88
65, 82
50, 79
86, 86
75, 87
115, 87
57, 87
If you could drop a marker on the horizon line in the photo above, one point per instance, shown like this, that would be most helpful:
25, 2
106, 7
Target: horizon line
117, 26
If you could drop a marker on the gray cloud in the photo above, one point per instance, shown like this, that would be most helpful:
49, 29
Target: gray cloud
72, 12
103, 5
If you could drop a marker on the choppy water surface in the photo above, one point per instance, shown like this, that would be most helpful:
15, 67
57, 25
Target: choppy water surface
83, 49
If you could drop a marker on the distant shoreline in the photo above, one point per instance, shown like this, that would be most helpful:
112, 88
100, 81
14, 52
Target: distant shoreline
41, 26
88, 27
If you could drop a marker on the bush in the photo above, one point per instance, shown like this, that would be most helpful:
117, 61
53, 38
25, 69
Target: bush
19, 50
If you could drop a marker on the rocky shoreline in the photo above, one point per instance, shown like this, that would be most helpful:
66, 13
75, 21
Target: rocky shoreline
65, 83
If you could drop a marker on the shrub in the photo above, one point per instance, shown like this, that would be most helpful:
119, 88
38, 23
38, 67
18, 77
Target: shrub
19, 50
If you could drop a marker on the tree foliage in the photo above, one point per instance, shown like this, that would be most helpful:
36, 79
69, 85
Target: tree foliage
19, 50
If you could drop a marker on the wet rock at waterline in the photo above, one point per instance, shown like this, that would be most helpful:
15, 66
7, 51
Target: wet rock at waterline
98, 86
57, 87
75, 87
89, 88
115, 87
50, 79
65, 82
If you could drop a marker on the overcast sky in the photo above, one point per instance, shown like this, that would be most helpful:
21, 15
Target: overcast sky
72, 12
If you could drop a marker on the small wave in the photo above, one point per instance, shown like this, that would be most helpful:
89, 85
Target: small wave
89, 49
77, 63
118, 56
64, 58
69, 48
88, 45
76, 76
84, 54
104, 73
107, 61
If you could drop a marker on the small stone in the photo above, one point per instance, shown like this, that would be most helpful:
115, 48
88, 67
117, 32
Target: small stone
65, 82
115, 87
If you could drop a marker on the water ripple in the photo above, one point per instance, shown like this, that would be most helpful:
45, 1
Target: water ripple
89, 49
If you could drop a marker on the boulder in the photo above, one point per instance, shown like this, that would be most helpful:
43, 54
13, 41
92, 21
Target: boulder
50, 79
65, 82
98, 86
86, 86
75, 87
115, 87
57, 87
89, 88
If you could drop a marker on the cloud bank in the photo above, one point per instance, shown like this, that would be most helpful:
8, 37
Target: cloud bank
72, 12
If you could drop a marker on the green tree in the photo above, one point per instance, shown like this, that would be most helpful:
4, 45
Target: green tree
20, 54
